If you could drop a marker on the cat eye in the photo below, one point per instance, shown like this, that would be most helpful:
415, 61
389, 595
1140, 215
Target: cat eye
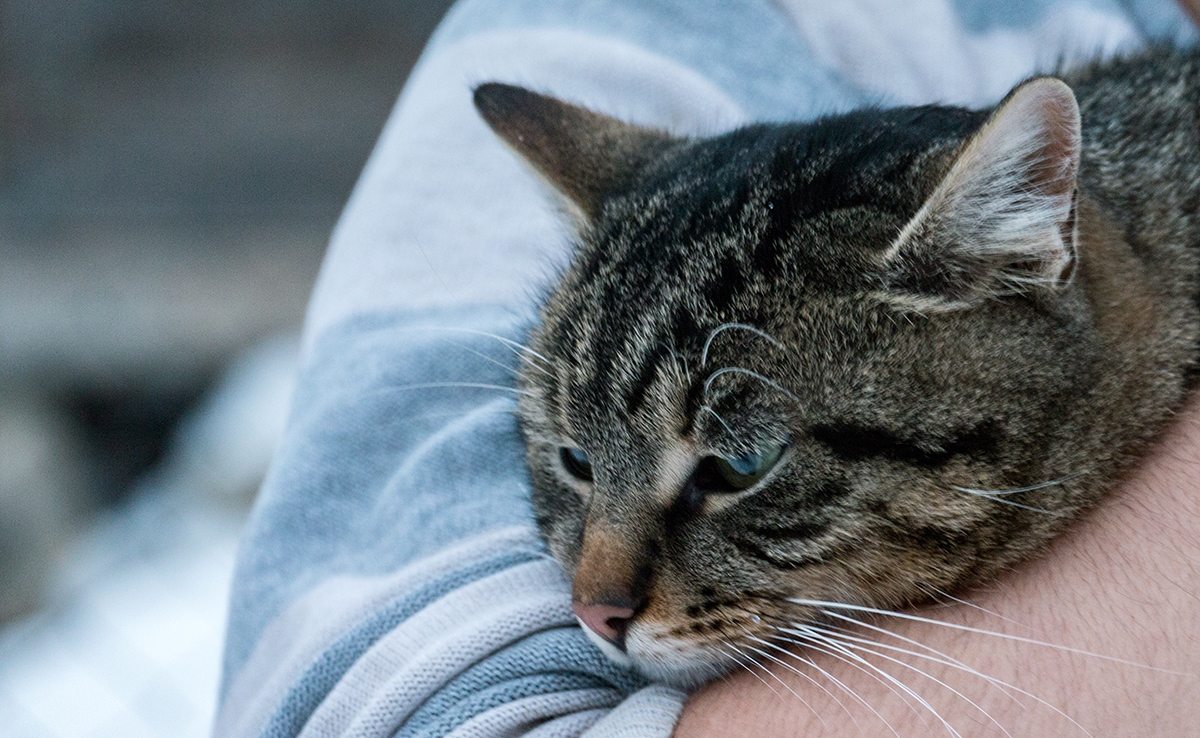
746, 470
576, 463
736, 473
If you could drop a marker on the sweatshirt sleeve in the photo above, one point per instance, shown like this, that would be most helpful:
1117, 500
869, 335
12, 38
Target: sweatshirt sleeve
391, 582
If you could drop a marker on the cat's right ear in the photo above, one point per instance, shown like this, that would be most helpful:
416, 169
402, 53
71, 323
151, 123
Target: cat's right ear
1002, 220
587, 156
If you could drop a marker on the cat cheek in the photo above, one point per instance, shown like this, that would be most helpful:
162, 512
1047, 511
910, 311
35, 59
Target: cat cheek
688, 650
573, 496
559, 516
563, 541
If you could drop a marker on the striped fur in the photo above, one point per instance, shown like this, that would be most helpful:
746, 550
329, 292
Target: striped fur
917, 327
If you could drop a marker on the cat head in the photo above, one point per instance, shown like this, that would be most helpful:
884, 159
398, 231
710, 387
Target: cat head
798, 363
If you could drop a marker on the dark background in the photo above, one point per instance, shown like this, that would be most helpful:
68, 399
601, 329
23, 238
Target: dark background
169, 176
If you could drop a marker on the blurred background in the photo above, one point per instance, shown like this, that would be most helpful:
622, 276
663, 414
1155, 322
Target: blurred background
170, 171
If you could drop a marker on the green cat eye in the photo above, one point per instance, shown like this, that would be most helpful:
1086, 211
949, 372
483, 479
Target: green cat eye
745, 471
576, 463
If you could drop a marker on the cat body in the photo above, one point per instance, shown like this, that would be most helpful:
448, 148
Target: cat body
858, 360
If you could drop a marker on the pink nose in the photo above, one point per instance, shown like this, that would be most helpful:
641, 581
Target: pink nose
607, 621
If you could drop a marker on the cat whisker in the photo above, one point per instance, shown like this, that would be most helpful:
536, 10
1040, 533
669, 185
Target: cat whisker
483, 356
936, 592
471, 385
839, 683
536, 367
511, 410
446, 287
846, 688
736, 654
820, 686
812, 645
864, 649
681, 365
788, 688
947, 660
1015, 490
998, 494
827, 607
518, 348
938, 657
739, 370
844, 631
808, 641
1010, 503
716, 415
741, 326
891, 678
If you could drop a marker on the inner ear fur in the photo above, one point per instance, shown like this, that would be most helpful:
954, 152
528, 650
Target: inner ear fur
587, 156
1002, 220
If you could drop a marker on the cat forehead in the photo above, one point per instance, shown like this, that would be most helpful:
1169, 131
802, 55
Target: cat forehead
655, 368
765, 226
806, 203
872, 158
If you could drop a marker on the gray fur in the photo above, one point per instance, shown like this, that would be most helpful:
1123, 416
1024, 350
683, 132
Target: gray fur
898, 391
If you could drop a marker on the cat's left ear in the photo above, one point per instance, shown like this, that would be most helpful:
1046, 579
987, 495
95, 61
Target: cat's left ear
587, 156
1002, 221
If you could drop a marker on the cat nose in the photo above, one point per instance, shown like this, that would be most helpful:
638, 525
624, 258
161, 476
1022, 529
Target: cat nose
608, 620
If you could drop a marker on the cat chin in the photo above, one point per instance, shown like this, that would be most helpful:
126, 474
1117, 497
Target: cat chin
676, 662
680, 663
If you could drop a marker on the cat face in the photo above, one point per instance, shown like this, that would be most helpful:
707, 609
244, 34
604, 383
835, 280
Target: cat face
799, 364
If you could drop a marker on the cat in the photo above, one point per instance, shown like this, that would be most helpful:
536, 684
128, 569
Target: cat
855, 360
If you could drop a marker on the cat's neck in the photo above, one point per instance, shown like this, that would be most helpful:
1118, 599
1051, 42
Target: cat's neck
1149, 325
1130, 294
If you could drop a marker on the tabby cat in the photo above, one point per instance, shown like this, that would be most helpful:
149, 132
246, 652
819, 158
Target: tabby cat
855, 360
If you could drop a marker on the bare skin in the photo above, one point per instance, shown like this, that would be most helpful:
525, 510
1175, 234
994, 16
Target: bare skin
1124, 583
